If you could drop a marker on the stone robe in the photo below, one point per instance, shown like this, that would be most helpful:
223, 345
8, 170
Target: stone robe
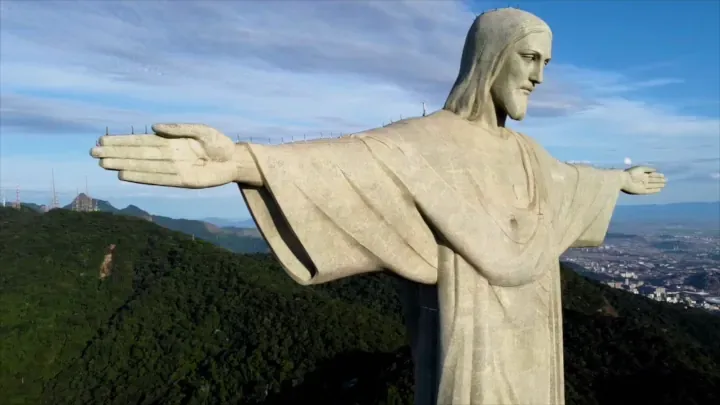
419, 198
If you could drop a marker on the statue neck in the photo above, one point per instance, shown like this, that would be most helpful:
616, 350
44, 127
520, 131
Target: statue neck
494, 119
500, 117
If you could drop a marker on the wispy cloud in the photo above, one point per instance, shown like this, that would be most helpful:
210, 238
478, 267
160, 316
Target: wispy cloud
77, 67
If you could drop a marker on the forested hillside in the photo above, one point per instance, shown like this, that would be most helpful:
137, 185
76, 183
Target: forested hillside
181, 321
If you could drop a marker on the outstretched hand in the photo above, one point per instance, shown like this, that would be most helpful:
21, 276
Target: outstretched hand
177, 155
643, 180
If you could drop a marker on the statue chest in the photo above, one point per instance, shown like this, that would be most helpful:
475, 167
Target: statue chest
497, 174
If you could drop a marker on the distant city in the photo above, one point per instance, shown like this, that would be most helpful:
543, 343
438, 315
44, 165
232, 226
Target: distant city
670, 264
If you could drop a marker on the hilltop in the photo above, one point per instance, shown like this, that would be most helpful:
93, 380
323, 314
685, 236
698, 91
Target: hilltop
181, 321
241, 237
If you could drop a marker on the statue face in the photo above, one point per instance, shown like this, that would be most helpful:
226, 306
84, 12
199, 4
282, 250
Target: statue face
522, 71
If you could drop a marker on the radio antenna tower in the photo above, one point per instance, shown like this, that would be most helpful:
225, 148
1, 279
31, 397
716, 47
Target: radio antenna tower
92, 204
16, 205
54, 203
76, 201
88, 202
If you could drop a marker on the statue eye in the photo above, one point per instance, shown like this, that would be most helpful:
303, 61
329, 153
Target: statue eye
529, 57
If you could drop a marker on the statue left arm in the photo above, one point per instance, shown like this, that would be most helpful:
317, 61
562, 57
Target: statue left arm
580, 199
590, 204
595, 197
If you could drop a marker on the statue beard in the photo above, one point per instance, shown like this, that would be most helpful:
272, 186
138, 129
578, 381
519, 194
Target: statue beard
514, 104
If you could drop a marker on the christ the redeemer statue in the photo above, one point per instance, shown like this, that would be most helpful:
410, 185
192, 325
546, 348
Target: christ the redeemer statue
473, 214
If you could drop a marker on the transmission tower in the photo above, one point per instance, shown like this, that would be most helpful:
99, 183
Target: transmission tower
76, 200
54, 203
16, 205
91, 203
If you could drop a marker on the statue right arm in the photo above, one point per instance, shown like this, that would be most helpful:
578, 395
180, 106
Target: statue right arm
248, 173
329, 209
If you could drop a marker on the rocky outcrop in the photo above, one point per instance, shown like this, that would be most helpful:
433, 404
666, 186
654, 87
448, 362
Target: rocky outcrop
106, 266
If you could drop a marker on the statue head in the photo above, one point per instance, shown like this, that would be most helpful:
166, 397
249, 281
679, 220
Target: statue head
504, 57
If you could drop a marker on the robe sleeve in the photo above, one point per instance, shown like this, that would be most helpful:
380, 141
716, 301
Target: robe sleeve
330, 209
580, 200
588, 198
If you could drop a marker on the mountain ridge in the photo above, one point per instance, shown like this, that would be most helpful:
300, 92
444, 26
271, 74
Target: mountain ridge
692, 213
236, 239
669, 214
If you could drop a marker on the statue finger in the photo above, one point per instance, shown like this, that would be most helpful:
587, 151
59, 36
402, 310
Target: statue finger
157, 179
131, 152
132, 140
656, 175
656, 180
645, 169
194, 131
148, 166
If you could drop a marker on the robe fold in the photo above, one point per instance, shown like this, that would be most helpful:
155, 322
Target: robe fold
421, 199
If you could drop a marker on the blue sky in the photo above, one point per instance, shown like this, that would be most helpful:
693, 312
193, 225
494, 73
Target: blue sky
634, 80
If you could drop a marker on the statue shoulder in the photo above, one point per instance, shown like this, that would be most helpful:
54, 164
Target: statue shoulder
532, 143
408, 131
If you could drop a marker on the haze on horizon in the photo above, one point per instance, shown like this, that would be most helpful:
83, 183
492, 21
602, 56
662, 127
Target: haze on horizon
621, 86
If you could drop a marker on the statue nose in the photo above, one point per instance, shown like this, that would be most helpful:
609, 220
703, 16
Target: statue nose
536, 77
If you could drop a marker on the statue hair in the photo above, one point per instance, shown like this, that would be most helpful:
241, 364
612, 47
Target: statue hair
485, 51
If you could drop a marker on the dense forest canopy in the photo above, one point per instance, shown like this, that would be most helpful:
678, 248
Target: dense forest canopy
181, 321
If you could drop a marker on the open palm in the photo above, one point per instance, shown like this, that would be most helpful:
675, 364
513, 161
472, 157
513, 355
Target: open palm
643, 180
177, 155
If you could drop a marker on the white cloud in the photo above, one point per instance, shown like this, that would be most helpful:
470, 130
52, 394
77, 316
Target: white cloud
76, 67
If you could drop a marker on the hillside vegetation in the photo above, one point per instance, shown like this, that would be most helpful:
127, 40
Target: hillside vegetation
181, 321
